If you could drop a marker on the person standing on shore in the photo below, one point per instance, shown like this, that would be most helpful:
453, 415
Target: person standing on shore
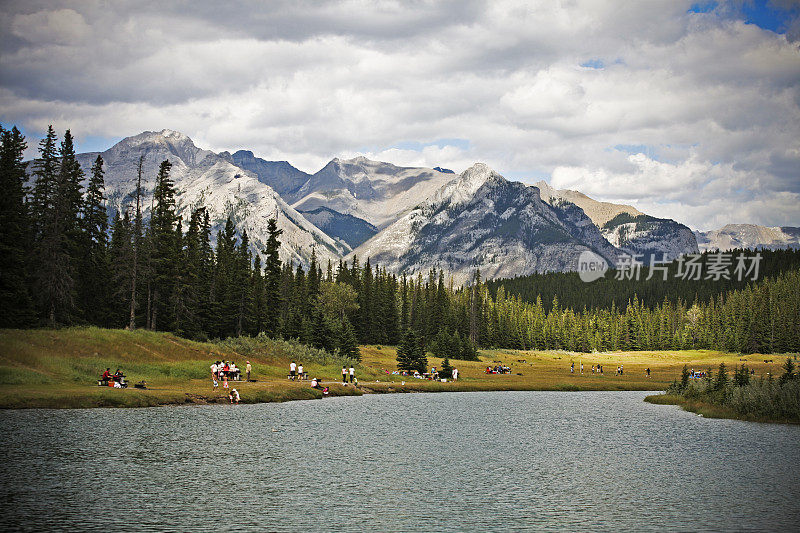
572, 368
344, 375
455, 374
352, 373
248, 368
300, 371
292, 370
214, 371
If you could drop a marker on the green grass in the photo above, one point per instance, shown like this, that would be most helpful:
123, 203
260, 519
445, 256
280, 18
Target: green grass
59, 368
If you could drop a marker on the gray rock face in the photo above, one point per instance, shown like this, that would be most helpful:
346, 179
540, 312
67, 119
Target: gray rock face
377, 192
749, 236
346, 228
627, 228
655, 239
481, 220
202, 177
284, 179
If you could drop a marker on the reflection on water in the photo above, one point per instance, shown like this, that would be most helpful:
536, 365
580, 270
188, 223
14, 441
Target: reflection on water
414, 462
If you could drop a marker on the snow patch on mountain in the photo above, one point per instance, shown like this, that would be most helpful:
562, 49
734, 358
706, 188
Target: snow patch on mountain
202, 177
479, 220
374, 191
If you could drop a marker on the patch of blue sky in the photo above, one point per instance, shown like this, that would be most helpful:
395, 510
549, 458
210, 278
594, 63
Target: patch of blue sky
702, 7
596, 64
88, 143
650, 151
765, 14
768, 16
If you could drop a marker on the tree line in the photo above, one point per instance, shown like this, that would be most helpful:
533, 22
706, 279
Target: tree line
63, 264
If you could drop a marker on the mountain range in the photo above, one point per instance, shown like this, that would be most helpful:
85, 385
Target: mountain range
407, 219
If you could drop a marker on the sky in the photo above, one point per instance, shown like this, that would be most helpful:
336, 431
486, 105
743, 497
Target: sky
686, 110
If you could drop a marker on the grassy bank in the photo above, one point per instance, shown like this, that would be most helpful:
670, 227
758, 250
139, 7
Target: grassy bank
59, 368
710, 410
743, 398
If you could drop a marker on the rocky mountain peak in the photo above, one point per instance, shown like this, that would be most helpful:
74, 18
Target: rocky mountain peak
462, 188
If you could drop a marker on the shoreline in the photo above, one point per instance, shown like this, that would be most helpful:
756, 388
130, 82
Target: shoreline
88, 397
709, 410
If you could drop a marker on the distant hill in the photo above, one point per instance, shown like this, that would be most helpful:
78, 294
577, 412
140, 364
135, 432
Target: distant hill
750, 236
627, 228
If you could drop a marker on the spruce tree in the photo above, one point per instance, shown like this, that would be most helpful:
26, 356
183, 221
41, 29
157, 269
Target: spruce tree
348, 347
162, 247
272, 279
15, 234
57, 203
94, 282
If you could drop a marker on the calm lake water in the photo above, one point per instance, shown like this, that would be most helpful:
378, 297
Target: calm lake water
501, 461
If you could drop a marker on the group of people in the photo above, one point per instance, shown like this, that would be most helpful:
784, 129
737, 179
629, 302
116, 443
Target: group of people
225, 370
596, 369
116, 380
351, 373
296, 371
498, 369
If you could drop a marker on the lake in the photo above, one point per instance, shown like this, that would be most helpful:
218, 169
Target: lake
495, 461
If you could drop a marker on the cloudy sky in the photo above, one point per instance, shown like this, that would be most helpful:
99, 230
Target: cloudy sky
686, 110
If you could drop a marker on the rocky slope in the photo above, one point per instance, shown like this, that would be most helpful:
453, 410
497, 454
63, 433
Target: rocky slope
284, 179
654, 239
379, 193
346, 228
749, 236
481, 220
202, 177
627, 228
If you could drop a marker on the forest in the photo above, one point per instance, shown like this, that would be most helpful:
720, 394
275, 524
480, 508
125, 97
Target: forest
64, 262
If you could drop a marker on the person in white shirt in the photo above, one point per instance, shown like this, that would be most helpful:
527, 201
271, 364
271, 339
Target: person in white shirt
455, 374
292, 370
234, 396
300, 370
352, 373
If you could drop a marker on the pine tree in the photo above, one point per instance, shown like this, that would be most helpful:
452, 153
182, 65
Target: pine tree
348, 347
685, 377
447, 369
136, 244
722, 378
162, 247
57, 202
94, 287
788, 372
45, 168
15, 233
272, 280
410, 354
225, 290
